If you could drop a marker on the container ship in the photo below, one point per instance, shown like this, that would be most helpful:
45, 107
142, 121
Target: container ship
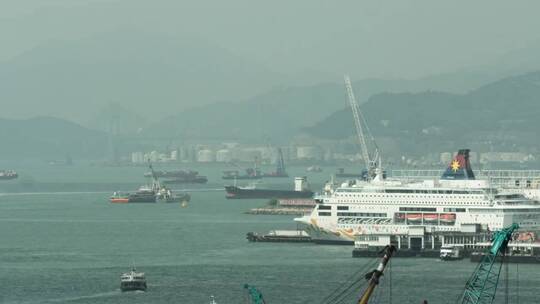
8, 174
301, 190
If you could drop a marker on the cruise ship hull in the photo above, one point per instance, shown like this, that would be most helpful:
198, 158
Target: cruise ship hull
325, 237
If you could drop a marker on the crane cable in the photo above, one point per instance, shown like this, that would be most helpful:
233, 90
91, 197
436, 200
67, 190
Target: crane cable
390, 282
517, 283
344, 294
379, 293
335, 295
506, 277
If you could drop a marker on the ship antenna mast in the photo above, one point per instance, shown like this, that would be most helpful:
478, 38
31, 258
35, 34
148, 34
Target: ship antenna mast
358, 119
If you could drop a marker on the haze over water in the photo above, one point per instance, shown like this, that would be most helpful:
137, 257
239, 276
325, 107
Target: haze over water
93, 90
71, 248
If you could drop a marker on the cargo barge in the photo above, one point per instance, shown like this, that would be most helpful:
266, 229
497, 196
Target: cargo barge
280, 236
301, 191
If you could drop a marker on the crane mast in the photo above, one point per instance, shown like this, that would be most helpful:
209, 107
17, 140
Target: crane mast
481, 287
370, 166
375, 275
254, 296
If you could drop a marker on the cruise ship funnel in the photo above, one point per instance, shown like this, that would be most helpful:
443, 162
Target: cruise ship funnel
460, 167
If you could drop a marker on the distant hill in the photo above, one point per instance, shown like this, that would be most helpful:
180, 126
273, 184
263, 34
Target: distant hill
49, 139
503, 114
281, 113
148, 73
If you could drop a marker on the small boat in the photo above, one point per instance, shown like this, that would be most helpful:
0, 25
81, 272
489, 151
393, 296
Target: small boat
165, 195
450, 253
145, 194
8, 174
120, 198
133, 280
213, 300
314, 169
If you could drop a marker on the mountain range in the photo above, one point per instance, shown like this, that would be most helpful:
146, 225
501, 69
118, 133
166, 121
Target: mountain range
49, 138
500, 116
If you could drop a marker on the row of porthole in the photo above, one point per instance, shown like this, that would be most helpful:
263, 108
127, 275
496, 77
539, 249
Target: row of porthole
439, 203
405, 196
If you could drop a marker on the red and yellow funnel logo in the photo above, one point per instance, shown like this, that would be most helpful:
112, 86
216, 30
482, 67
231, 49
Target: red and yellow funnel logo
455, 165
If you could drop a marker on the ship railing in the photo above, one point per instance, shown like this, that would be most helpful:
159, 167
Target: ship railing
496, 177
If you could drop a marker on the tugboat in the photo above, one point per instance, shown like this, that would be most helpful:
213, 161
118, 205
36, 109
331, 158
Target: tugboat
314, 168
132, 281
150, 194
165, 195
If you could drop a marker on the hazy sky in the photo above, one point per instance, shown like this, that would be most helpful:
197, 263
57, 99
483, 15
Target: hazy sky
389, 38
305, 39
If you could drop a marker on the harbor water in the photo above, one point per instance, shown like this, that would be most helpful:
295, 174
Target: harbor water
63, 242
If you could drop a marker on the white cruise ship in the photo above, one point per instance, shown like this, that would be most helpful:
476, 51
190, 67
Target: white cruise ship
453, 203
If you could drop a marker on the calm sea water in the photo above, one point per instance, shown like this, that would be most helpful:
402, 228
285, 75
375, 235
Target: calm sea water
63, 242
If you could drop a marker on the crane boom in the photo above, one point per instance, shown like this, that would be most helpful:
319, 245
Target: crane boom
376, 274
254, 295
482, 286
358, 124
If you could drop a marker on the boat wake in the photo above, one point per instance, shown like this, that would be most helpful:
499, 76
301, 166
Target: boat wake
199, 190
53, 193
76, 298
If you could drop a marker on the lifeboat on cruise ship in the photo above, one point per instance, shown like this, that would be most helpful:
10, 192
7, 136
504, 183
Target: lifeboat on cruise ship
414, 217
431, 217
448, 217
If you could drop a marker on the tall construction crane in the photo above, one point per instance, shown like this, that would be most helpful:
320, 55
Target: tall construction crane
254, 296
482, 285
371, 164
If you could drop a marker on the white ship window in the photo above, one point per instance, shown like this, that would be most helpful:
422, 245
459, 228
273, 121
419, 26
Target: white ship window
324, 214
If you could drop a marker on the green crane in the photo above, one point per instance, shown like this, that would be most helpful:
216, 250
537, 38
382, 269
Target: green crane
254, 295
481, 287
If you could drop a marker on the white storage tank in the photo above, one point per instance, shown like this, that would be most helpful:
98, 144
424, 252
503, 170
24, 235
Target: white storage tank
223, 156
308, 152
248, 155
154, 156
205, 156
137, 157
174, 155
